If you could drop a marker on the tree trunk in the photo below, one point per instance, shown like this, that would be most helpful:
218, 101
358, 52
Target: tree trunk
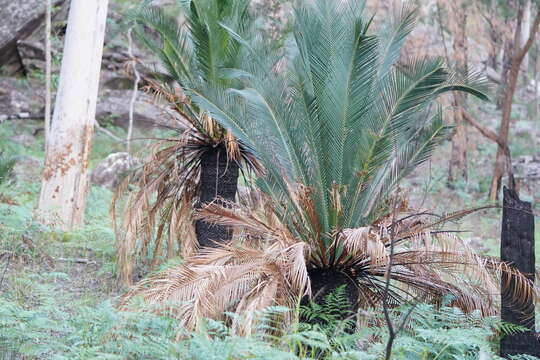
218, 182
502, 160
458, 160
64, 185
524, 34
48, 66
517, 247
506, 65
494, 47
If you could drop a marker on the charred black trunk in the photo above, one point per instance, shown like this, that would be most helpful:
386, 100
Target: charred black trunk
325, 282
218, 182
517, 247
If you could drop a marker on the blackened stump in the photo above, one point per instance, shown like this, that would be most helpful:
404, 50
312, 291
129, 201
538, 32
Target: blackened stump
517, 247
325, 281
218, 182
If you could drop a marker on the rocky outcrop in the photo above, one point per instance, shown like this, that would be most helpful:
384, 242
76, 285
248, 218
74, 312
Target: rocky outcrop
22, 59
113, 109
20, 99
112, 170
20, 19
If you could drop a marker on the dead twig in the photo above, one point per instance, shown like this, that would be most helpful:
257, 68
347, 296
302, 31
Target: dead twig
76, 260
108, 132
132, 66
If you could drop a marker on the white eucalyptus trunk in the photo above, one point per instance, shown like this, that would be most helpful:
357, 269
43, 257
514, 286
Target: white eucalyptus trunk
65, 176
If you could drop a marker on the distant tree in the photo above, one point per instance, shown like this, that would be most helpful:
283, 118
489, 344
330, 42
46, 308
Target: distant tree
514, 55
458, 23
48, 19
64, 184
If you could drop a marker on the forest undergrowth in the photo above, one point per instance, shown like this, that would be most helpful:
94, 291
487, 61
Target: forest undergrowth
58, 292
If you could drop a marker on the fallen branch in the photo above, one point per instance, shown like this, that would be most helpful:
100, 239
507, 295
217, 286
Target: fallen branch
490, 134
108, 132
76, 260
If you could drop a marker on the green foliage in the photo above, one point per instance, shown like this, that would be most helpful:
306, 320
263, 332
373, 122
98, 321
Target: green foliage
205, 48
52, 330
328, 315
445, 334
354, 121
331, 318
6, 166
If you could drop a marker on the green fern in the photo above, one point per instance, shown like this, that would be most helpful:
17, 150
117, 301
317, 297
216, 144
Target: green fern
329, 314
7, 163
332, 318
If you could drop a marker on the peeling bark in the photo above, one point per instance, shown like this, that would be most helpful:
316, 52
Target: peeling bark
65, 176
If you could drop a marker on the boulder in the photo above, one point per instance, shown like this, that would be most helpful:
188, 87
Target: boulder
24, 139
111, 171
19, 97
28, 169
32, 55
113, 109
20, 18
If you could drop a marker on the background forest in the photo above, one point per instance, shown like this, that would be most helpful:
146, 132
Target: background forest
60, 286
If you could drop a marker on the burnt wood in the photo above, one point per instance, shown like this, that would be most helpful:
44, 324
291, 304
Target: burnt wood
517, 248
218, 182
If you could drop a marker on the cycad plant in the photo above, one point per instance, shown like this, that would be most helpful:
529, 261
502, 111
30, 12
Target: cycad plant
336, 128
203, 163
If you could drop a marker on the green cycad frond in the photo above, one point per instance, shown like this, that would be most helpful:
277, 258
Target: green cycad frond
271, 266
199, 48
342, 112
336, 127
201, 51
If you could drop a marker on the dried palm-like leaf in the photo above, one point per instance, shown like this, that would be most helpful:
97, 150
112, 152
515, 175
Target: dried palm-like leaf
266, 265
238, 279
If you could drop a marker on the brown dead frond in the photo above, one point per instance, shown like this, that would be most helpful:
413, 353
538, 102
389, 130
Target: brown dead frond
267, 265
229, 278
157, 217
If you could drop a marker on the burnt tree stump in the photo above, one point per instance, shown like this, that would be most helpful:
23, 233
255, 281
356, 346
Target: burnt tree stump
218, 183
517, 247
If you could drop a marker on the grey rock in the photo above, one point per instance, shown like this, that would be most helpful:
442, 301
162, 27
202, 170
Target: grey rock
113, 109
19, 19
527, 167
20, 97
24, 139
28, 169
32, 55
111, 171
